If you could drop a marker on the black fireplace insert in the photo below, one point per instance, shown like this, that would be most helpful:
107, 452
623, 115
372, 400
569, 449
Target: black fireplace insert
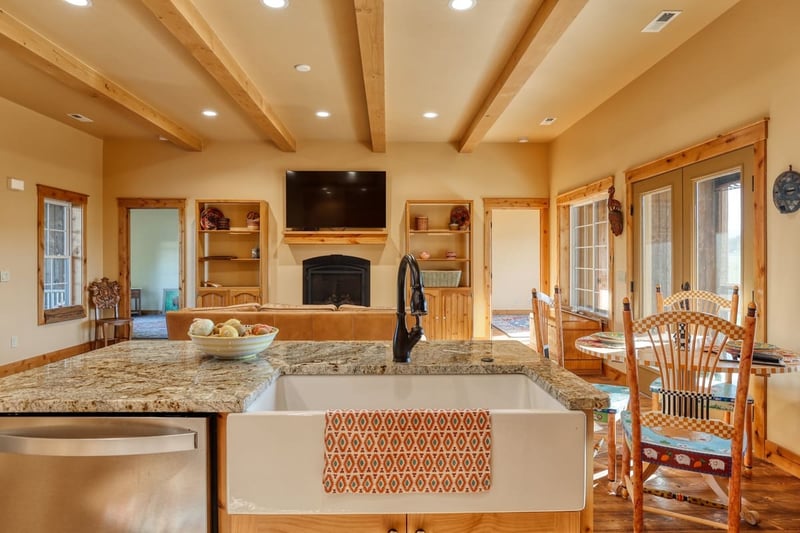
336, 279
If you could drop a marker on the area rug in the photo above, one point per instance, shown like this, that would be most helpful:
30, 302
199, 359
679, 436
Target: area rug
516, 326
150, 327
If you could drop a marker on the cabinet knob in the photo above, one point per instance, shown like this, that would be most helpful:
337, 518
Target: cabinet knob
393, 530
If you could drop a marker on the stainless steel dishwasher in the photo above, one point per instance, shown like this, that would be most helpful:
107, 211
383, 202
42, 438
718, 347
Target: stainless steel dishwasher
109, 474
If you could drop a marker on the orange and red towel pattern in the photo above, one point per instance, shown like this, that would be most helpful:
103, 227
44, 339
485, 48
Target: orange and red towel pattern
407, 450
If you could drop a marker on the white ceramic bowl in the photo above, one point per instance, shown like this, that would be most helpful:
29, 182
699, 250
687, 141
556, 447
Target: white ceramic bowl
234, 347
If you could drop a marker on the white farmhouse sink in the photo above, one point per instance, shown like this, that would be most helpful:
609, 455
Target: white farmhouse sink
275, 449
480, 391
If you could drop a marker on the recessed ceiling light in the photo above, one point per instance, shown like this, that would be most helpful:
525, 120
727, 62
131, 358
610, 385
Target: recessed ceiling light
302, 67
323, 114
79, 117
547, 121
79, 3
430, 114
522, 140
661, 20
209, 113
462, 5
275, 4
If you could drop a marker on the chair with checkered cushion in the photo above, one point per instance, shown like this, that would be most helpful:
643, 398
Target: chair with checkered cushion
715, 304
682, 433
550, 343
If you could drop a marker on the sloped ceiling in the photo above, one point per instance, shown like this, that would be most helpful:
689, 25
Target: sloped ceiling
146, 69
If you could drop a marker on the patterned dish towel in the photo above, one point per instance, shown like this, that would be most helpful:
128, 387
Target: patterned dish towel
407, 450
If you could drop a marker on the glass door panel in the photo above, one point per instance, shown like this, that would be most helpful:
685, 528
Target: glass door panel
658, 237
720, 208
717, 253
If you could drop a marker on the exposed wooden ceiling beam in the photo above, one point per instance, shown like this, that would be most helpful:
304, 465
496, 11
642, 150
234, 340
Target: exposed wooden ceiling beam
53, 60
369, 20
548, 25
188, 26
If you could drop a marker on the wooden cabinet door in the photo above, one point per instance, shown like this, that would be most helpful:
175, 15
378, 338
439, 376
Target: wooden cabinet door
431, 323
575, 326
212, 297
494, 523
456, 312
244, 296
309, 523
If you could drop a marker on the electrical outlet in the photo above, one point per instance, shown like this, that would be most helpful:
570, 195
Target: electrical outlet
5, 276
14, 341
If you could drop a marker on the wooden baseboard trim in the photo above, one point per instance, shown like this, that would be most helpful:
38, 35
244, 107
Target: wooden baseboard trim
783, 458
44, 359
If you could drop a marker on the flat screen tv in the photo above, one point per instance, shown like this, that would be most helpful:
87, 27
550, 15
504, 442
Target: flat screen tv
335, 200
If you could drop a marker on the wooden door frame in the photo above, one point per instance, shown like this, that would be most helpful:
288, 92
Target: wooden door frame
754, 135
124, 206
539, 204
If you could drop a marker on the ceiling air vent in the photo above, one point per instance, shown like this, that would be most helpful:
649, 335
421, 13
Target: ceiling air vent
79, 117
661, 20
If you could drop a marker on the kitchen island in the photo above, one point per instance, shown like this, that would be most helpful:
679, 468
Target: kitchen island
160, 377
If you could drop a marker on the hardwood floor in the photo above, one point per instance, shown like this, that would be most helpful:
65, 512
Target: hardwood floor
771, 491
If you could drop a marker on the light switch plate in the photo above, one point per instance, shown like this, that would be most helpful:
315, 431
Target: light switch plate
5, 276
16, 184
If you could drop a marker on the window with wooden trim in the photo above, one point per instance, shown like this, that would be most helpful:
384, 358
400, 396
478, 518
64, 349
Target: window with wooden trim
62, 254
585, 248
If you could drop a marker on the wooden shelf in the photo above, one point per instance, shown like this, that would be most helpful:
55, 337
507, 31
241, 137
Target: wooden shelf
449, 308
224, 256
232, 231
335, 237
443, 260
443, 232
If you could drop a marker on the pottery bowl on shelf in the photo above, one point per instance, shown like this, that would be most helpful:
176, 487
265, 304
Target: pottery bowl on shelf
234, 347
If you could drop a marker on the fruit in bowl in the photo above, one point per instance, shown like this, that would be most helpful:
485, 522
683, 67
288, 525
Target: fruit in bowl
232, 339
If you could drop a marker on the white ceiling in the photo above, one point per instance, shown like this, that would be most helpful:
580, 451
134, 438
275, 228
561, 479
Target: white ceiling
435, 59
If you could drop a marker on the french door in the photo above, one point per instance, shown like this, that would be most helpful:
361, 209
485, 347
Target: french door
694, 225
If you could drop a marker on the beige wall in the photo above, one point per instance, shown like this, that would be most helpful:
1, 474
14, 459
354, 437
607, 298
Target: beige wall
256, 171
742, 68
39, 150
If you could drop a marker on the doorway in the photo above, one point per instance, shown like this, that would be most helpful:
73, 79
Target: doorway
135, 223
514, 257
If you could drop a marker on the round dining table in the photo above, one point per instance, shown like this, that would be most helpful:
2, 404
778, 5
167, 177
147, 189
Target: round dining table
610, 346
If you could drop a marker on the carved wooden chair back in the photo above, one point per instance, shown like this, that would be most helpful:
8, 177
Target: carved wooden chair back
108, 325
105, 297
551, 346
682, 434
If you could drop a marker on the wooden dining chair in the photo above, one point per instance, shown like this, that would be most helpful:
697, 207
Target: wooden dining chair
109, 327
699, 300
681, 434
542, 304
724, 391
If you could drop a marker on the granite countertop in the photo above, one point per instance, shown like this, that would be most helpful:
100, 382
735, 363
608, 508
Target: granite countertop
148, 376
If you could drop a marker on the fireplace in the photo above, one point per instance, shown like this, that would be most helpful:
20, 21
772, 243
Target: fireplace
336, 279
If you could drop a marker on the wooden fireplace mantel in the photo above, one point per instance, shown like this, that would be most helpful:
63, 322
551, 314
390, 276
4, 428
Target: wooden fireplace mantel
335, 237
